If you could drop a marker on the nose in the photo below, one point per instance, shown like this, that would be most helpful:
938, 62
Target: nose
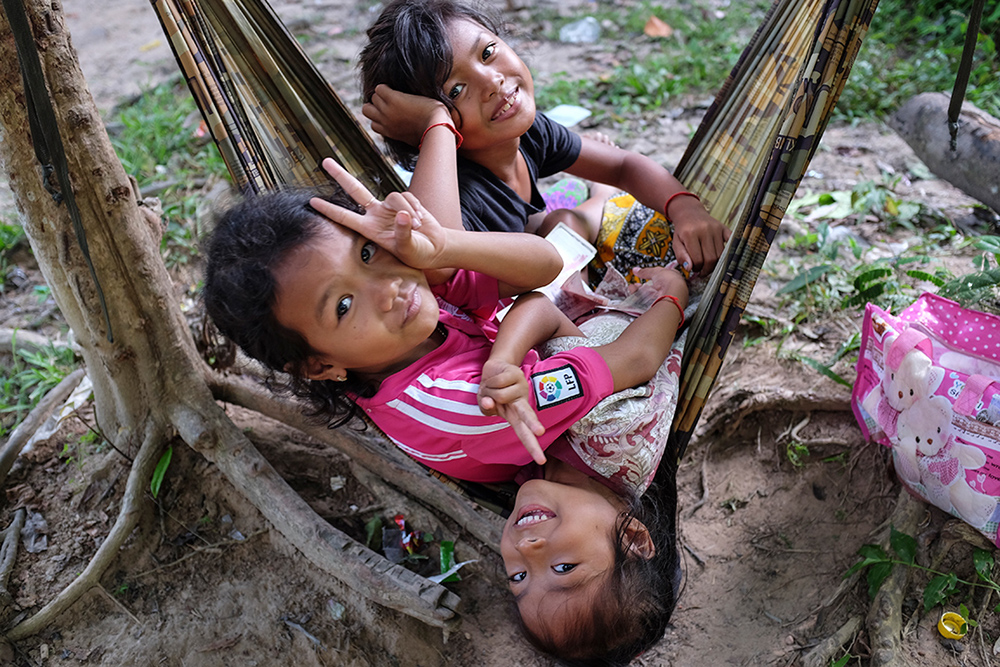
493, 81
527, 545
386, 291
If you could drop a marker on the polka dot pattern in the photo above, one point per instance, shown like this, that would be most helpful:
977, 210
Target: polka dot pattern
968, 330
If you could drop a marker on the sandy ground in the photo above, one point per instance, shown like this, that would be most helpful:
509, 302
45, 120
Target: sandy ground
205, 582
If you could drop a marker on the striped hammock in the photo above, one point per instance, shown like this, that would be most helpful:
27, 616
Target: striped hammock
274, 118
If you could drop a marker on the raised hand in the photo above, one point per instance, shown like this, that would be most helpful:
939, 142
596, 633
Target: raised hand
504, 391
400, 224
402, 116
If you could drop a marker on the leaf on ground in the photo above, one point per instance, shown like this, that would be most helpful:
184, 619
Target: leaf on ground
656, 27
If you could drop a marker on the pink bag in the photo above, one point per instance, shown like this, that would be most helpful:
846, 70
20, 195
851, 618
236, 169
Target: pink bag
928, 386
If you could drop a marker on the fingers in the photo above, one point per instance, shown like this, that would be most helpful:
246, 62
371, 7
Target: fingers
526, 426
354, 188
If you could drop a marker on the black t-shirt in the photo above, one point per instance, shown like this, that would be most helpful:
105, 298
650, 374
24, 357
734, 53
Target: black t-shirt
490, 205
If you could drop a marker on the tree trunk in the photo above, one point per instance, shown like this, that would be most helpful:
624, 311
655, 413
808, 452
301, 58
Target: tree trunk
150, 386
974, 166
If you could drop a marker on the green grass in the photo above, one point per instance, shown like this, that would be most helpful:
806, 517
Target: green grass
11, 238
159, 142
695, 60
31, 376
913, 46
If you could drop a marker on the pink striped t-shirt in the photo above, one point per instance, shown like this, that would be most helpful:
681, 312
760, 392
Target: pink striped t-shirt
430, 411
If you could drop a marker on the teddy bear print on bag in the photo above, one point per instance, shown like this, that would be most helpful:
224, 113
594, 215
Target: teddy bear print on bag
926, 428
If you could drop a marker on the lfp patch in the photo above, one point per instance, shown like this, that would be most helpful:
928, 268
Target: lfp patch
555, 386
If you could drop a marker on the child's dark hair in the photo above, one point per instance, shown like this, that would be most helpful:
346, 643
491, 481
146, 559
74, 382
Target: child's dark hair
250, 239
631, 612
408, 50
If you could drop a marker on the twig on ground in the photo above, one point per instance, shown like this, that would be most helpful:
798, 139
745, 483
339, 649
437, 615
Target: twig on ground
22, 434
826, 651
212, 548
118, 603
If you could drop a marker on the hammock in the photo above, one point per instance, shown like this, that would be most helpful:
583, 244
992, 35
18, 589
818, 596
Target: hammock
274, 119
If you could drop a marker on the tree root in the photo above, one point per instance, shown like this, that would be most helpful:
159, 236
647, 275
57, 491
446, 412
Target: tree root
12, 448
219, 440
375, 454
827, 651
727, 419
11, 538
22, 340
885, 617
128, 517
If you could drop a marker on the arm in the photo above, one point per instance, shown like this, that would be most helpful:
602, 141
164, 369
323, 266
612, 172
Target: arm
401, 225
503, 389
638, 352
699, 239
406, 118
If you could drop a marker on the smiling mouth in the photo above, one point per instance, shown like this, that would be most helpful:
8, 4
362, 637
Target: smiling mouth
533, 515
508, 103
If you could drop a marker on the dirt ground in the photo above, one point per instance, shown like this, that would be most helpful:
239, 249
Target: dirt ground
205, 581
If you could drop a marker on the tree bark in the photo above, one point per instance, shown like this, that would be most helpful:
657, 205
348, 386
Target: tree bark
149, 383
974, 165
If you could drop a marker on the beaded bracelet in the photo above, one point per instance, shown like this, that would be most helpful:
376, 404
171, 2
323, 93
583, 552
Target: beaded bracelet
450, 127
682, 193
677, 303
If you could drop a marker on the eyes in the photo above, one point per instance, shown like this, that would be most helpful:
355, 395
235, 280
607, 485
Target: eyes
559, 568
487, 53
367, 253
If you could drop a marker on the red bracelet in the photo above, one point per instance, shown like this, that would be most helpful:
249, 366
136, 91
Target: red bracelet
682, 193
676, 303
450, 127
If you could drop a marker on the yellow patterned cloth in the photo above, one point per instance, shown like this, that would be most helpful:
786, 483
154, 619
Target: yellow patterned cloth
632, 235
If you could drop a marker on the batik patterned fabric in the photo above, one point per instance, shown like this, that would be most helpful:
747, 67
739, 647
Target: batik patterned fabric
631, 236
623, 437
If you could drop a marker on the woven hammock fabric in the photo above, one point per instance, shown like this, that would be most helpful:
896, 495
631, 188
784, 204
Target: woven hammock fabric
272, 114
275, 118
747, 158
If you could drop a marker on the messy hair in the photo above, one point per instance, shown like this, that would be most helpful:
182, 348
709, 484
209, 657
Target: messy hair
249, 241
631, 611
408, 50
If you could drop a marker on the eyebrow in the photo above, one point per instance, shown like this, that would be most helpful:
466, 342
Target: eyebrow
328, 292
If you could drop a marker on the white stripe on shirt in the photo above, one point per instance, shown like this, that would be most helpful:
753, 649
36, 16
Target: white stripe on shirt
429, 421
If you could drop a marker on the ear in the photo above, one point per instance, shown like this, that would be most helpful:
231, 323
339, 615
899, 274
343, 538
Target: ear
639, 540
315, 369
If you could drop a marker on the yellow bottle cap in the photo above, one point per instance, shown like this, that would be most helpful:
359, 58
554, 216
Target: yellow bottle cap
952, 625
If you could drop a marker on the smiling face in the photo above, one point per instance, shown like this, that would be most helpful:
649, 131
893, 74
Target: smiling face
490, 86
558, 551
357, 306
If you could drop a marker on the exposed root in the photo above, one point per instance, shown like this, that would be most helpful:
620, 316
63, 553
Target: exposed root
214, 436
11, 538
885, 617
12, 448
829, 649
11, 339
704, 484
375, 454
727, 418
128, 517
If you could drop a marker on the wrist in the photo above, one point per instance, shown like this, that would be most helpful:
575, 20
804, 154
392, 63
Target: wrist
679, 201
440, 127
676, 302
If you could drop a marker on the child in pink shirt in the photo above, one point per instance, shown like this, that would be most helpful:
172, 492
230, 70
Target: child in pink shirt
343, 305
